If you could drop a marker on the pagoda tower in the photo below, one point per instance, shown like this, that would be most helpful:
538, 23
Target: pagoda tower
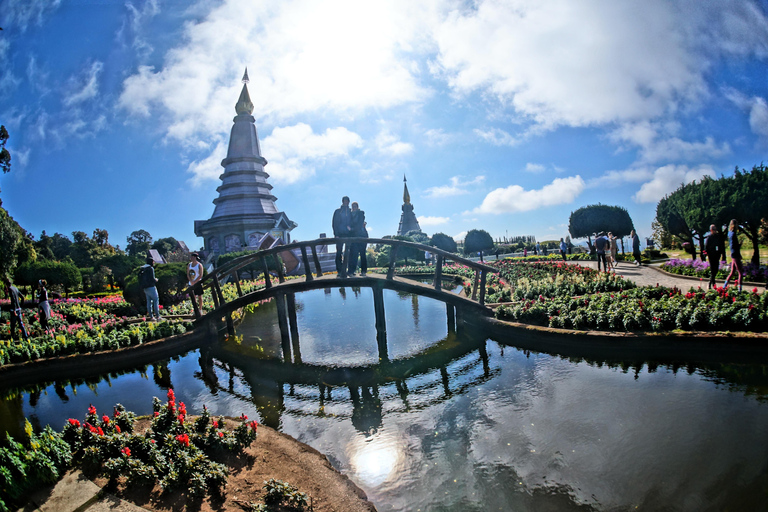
408, 220
245, 211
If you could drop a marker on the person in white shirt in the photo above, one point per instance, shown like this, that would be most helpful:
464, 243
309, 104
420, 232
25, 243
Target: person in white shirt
194, 275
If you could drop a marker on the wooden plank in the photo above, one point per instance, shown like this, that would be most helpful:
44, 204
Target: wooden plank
192, 297
438, 272
237, 282
305, 261
392, 260
477, 282
280, 273
318, 270
265, 266
482, 288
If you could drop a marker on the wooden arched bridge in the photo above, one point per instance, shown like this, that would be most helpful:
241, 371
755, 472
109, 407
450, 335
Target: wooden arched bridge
283, 289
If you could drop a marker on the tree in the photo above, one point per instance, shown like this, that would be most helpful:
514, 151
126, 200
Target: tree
121, 266
477, 240
60, 245
5, 156
43, 246
747, 202
9, 242
444, 242
590, 220
139, 243
165, 246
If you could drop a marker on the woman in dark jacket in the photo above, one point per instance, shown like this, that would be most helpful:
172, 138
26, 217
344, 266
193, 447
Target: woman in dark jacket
44, 308
358, 230
714, 248
733, 241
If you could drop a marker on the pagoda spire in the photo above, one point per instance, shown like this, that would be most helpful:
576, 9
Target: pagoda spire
406, 195
244, 104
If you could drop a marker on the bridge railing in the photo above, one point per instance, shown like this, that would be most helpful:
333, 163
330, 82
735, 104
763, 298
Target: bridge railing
308, 248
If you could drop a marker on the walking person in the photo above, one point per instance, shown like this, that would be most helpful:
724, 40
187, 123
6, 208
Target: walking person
601, 245
636, 247
17, 298
563, 248
714, 248
614, 250
342, 228
44, 308
357, 222
148, 282
733, 241
194, 275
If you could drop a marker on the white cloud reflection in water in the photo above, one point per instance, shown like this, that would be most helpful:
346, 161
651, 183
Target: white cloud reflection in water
374, 459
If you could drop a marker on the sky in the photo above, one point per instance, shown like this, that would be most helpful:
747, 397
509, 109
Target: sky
504, 115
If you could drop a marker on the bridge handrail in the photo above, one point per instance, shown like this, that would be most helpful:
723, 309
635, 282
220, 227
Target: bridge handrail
247, 259
213, 279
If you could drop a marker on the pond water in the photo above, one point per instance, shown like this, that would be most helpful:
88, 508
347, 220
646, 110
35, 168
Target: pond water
458, 421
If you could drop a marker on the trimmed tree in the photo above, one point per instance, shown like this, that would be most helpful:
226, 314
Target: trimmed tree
444, 242
477, 240
589, 220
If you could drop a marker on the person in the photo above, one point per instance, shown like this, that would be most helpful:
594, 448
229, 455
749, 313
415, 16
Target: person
44, 308
17, 298
538, 248
614, 250
601, 244
194, 275
342, 228
148, 282
635, 247
733, 241
357, 223
525, 252
714, 248
569, 244
563, 248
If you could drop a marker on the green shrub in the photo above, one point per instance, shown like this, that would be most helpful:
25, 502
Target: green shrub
172, 281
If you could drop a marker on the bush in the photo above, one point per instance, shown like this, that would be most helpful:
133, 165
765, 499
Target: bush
56, 273
172, 281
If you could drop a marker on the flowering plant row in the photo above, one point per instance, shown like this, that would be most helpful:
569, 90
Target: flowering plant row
174, 452
701, 269
647, 309
553, 279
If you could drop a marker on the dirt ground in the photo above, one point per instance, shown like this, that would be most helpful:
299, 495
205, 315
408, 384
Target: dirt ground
272, 455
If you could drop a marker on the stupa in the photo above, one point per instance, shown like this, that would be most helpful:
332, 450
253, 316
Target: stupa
408, 220
245, 212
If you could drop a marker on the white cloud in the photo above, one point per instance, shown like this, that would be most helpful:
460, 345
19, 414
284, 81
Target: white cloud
22, 13
209, 168
460, 237
497, 137
136, 20
84, 87
391, 144
592, 62
534, 168
425, 221
658, 142
456, 188
668, 178
758, 118
438, 137
516, 199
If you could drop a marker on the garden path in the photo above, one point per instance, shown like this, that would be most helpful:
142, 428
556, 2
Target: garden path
650, 275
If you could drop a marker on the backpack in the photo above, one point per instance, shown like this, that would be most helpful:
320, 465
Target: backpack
145, 277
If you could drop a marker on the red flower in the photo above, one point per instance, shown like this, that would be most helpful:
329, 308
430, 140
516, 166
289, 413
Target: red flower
117, 427
215, 423
101, 432
221, 434
126, 451
91, 409
74, 422
181, 418
116, 414
244, 417
183, 439
182, 408
156, 414
171, 395
254, 424
105, 419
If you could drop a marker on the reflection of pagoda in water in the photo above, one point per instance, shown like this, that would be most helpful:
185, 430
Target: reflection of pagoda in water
245, 212
408, 220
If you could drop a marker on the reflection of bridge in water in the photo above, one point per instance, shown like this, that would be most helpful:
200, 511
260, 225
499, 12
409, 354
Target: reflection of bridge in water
284, 290
361, 393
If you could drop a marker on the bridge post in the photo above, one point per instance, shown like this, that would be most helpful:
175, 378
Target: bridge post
237, 282
444, 378
318, 269
482, 288
265, 266
282, 321
392, 260
476, 285
198, 314
215, 295
451, 311
294, 326
438, 272
305, 262
381, 323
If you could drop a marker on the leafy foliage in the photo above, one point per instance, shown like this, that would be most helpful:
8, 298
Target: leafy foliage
589, 220
477, 240
444, 242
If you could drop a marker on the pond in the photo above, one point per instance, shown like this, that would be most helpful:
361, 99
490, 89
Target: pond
460, 421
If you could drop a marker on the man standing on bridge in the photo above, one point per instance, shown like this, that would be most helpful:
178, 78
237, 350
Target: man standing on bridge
342, 227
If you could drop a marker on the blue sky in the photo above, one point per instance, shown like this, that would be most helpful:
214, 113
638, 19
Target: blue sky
504, 115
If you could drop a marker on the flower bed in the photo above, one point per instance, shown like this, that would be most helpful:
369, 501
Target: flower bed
174, 452
701, 269
647, 309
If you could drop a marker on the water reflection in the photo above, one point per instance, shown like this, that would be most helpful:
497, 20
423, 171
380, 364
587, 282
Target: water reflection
457, 421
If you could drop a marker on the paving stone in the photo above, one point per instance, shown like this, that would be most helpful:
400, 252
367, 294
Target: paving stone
69, 494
